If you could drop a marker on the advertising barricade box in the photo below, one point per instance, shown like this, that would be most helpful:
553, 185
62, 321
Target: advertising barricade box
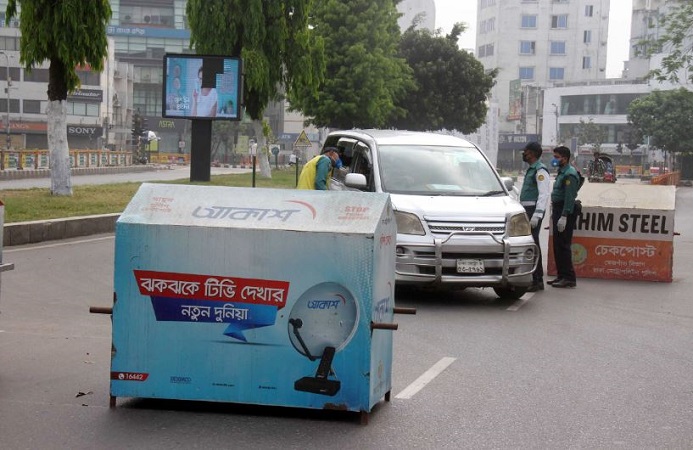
625, 231
258, 296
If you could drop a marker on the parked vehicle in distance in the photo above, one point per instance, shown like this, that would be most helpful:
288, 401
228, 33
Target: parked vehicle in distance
601, 169
457, 224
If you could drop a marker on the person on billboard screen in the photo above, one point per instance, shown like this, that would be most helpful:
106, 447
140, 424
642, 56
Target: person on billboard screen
205, 97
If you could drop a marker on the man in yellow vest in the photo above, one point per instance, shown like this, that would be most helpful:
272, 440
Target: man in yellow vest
317, 172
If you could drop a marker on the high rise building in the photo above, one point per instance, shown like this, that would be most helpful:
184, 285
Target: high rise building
536, 44
646, 26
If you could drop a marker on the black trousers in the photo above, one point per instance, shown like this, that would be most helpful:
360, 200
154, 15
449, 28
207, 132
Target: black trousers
562, 253
538, 275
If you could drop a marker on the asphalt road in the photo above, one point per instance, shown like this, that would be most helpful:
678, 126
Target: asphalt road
605, 365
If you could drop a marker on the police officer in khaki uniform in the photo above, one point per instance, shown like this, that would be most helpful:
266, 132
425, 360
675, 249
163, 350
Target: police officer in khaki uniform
534, 197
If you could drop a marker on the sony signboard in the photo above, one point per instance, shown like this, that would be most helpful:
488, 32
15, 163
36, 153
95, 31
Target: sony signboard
84, 130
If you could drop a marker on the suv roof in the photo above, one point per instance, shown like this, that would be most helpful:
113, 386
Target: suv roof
404, 137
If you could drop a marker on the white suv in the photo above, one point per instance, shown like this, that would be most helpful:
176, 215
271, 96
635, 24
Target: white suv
457, 224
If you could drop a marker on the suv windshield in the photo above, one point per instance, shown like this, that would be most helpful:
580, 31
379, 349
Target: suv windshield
436, 170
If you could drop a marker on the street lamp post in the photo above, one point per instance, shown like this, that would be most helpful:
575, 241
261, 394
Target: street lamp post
7, 89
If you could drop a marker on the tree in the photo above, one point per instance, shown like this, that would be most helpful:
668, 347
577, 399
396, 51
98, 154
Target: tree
452, 85
273, 38
365, 78
676, 40
69, 34
592, 134
665, 116
632, 138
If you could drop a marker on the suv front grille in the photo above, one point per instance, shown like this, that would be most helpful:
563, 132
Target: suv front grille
445, 228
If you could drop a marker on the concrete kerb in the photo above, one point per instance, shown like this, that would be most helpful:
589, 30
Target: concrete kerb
14, 174
21, 233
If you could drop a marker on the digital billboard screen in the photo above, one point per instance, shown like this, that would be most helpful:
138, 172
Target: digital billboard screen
202, 87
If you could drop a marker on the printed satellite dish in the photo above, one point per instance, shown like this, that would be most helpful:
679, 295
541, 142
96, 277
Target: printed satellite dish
323, 321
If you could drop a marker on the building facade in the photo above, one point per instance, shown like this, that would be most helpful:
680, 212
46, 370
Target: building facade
537, 44
140, 33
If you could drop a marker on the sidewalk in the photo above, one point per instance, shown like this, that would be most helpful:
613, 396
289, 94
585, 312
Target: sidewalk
22, 233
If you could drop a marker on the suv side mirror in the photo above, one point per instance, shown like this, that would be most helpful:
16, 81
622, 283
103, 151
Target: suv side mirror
356, 181
509, 183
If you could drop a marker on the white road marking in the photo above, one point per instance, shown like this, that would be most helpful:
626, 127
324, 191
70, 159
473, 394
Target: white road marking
519, 303
426, 378
60, 244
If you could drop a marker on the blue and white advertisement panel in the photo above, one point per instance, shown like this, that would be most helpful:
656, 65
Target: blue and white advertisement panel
259, 296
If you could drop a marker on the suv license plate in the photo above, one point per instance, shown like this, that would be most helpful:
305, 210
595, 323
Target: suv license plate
470, 266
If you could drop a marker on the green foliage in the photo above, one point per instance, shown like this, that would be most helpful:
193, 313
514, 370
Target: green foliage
665, 116
68, 33
632, 138
273, 39
675, 42
591, 134
452, 85
365, 77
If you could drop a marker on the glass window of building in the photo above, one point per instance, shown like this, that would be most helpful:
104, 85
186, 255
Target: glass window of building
14, 73
89, 78
586, 62
589, 10
14, 105
587, 36
529, 21
557, 48
559, 21
9, 42
36, 75
131, 12
526, 73
31, 106
556, 73
147, 99
527, 47
486, 50
76, 109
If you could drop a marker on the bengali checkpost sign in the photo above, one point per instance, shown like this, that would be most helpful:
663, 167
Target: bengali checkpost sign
242, 303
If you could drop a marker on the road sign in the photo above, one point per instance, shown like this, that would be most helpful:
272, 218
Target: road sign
302, 140
274, 149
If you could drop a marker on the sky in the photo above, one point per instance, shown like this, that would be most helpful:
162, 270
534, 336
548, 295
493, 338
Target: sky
450, 11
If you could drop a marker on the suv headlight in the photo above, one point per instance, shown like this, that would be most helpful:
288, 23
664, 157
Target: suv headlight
519, 225
408, 223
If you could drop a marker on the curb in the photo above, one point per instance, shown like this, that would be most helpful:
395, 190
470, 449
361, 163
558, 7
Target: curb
13, 174
22, 233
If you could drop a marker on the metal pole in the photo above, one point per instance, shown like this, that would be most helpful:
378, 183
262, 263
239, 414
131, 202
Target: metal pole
7, 89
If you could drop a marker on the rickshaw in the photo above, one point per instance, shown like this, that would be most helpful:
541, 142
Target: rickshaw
601, 169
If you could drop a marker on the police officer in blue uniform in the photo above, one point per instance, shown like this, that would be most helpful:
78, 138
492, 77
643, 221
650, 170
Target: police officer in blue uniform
563, 217
534, 196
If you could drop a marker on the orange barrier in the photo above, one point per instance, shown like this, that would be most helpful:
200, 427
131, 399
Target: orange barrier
667, 179
628, 170
169, 158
